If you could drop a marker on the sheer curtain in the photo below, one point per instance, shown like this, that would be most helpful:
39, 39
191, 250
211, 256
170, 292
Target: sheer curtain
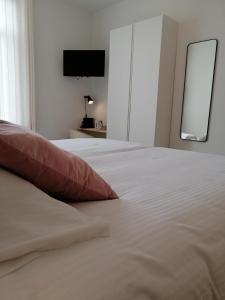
16, 62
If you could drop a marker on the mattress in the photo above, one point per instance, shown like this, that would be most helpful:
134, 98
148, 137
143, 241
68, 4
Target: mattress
167, 231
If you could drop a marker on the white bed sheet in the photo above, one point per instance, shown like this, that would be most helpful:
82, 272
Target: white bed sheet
167, 234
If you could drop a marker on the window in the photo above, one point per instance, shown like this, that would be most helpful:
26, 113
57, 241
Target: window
15, 62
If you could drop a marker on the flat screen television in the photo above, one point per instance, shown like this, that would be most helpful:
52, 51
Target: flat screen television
84, 63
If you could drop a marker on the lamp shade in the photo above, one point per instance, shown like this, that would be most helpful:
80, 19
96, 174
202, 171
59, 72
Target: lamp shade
89, 99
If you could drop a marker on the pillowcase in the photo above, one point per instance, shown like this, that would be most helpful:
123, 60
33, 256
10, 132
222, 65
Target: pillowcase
60, 174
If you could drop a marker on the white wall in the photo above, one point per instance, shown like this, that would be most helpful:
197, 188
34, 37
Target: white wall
58, 25
198, 19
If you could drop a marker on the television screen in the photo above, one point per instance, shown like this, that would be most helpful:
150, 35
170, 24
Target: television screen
84, 63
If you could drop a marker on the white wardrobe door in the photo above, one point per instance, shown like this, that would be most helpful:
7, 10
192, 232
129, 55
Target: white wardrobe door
119, 82
146, 63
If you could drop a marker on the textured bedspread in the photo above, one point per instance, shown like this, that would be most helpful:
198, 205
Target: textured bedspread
167, 234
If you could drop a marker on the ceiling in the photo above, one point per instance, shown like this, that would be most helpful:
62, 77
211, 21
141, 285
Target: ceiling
94, 5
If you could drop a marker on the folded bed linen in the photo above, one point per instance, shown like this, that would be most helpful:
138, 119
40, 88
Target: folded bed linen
32, 222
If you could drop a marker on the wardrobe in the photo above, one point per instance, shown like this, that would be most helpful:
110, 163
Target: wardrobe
142, 60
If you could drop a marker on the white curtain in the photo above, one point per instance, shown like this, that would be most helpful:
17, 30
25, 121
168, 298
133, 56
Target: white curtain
16, 62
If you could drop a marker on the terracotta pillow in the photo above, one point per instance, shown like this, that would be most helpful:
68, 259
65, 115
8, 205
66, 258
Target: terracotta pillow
58, 173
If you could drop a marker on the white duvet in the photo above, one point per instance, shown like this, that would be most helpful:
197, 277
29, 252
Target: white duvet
167, 232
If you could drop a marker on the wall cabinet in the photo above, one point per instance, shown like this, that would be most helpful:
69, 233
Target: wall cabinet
141, 77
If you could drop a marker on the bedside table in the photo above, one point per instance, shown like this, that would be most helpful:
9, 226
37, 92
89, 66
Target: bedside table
88, 133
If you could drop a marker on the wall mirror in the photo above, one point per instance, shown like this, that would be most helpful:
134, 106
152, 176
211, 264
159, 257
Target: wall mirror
198, 90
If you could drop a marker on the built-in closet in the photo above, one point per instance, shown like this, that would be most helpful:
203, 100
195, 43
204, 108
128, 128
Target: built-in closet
141, 76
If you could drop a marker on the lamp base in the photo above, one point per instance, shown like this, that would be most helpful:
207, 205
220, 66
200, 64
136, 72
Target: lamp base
88, 123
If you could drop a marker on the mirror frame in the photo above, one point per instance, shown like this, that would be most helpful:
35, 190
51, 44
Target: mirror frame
212, 90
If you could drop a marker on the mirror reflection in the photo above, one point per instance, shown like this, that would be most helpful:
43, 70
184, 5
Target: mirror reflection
198, 87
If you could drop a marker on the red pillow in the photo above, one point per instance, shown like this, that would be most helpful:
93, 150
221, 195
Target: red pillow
59, 173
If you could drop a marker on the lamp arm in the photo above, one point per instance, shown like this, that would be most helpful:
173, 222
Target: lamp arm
85, 109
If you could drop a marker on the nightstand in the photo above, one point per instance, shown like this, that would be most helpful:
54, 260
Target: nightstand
88, 133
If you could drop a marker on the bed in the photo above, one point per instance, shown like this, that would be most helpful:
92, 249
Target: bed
167, 231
